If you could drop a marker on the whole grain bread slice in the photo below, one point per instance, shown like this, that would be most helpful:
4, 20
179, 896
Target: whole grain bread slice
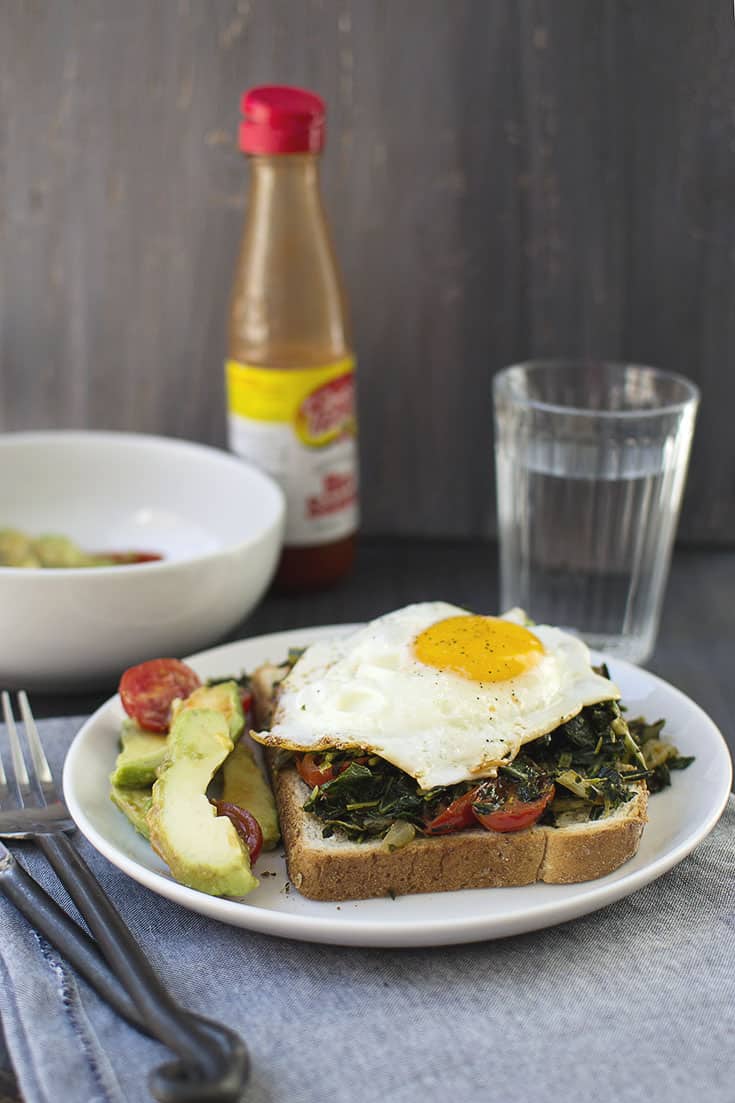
338, 869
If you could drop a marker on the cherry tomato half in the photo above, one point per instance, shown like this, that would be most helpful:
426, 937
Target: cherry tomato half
313, 773
515, 814
455, 817
245, 824
147, 690
124, 558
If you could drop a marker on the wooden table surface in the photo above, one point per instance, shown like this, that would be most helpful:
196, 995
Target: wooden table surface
695, 649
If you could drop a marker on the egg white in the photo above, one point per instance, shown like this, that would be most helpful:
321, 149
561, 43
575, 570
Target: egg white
368, 690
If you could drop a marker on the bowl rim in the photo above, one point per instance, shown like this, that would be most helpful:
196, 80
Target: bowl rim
120, 570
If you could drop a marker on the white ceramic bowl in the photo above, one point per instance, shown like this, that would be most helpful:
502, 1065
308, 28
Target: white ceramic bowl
217, 521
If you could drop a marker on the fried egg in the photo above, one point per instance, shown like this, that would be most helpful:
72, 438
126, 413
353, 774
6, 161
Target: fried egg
443, 694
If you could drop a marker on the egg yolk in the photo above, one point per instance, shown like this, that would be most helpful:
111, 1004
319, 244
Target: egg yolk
484, 649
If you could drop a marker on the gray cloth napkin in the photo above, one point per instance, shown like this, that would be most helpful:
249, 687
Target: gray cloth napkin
633, 1003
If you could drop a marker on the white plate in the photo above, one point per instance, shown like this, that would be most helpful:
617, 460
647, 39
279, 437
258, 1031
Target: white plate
680, 817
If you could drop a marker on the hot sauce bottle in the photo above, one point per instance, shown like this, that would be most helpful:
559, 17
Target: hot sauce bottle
290, 372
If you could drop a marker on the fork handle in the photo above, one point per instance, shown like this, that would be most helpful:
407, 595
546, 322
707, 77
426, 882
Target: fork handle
214, 1069
69, 938
72, 941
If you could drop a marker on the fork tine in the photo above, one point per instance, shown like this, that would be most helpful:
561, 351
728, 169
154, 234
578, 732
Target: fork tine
38, 758
22, 784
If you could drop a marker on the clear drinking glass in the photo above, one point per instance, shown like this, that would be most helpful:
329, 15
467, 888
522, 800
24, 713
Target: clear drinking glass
591, 461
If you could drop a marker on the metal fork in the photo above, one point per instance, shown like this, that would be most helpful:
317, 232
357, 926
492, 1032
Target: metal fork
213, 1064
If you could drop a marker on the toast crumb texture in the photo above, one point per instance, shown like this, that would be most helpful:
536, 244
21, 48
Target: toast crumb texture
338, 869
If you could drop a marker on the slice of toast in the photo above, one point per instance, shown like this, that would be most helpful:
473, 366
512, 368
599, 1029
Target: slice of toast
340, 869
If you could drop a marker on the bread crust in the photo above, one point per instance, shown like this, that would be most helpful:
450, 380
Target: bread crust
338, 869
264, 686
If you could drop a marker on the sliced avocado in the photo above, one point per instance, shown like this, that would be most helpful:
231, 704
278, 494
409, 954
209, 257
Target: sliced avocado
203, 850
59, 551
135, 804
16, 550
141, 755
245, 785
223, 697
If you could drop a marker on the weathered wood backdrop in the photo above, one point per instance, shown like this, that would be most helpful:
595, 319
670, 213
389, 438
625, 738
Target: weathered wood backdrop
505, 178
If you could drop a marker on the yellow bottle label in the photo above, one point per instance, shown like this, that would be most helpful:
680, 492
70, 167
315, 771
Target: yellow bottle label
300, 426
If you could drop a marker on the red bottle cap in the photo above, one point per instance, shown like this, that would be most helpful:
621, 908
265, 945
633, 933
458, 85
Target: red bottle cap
279, 119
